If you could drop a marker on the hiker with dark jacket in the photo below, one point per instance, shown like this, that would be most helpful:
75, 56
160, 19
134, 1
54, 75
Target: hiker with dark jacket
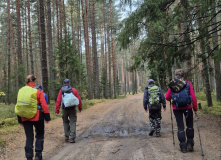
69, 115
37, 121
186, 111
153, 98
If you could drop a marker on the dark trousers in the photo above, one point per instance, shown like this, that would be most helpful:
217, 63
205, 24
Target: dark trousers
39, 130
69, 116
188, 116
155, 119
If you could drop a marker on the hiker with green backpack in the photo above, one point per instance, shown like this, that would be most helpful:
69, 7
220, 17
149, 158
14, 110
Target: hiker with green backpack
32, 110
153, 98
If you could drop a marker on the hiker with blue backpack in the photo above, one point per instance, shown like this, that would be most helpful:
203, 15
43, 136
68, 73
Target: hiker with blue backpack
32, 111
68, 99
183, 98
40, 88
153, 98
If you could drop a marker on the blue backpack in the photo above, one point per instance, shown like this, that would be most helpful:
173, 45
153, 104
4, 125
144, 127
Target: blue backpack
180, 93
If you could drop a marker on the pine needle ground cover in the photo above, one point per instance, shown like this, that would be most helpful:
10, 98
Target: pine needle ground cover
215, 109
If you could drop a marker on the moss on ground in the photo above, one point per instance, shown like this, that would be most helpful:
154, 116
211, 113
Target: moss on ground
214, 110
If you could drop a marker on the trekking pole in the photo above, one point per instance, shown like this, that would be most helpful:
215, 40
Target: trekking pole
199, 133
172, 122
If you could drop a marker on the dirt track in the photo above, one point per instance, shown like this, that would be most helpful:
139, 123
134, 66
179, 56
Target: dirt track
118, 130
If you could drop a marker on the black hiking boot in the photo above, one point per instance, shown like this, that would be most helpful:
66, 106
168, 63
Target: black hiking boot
72, 140
190, 145
183, 147
151, 132
158, 134
38, 158
66, 139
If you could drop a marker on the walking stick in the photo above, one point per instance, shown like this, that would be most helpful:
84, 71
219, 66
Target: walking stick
172, 122
199, 133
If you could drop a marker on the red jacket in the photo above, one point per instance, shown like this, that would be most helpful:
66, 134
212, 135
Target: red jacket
42, 102
58, 102
192, 94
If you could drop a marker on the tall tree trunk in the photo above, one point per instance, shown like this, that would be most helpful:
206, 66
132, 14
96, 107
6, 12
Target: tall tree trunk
43, 44
109, 62
86, 39
53, 24
60, 16
26, 41
125, 74
50, 50
58, 21
105, 48
72, 26
4, 64
65, 37
94, 48
15, 68
202, 31
9, 52
78, 28
30, 40
39, 38
216, 61
128, 74
188, 48
19, 51
113, 55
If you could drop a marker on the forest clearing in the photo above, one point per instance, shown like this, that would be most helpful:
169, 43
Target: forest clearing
118, 129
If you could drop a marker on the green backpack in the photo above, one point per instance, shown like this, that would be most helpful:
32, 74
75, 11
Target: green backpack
154, 95
26, 102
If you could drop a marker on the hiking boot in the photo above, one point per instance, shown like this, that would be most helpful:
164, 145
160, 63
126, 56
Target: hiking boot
72, 140
190, 145
151, 132
158, 134
66, 140
183, 147
38, 158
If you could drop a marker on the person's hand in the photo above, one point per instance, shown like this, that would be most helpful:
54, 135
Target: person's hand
80, 110
145, 110
21, 124
164, 109
196, 117
57, 114
47, 122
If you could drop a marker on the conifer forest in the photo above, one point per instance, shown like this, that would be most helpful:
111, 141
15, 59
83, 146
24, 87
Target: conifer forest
109, 47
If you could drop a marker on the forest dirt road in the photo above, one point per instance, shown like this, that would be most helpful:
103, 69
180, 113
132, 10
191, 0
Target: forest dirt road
118, 130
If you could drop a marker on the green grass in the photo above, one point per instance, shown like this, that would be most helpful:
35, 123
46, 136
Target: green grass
1, 143
214, 110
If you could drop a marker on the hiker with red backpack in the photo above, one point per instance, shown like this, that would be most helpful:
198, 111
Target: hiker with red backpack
68, 99
32, 110
183, 101
153, 98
